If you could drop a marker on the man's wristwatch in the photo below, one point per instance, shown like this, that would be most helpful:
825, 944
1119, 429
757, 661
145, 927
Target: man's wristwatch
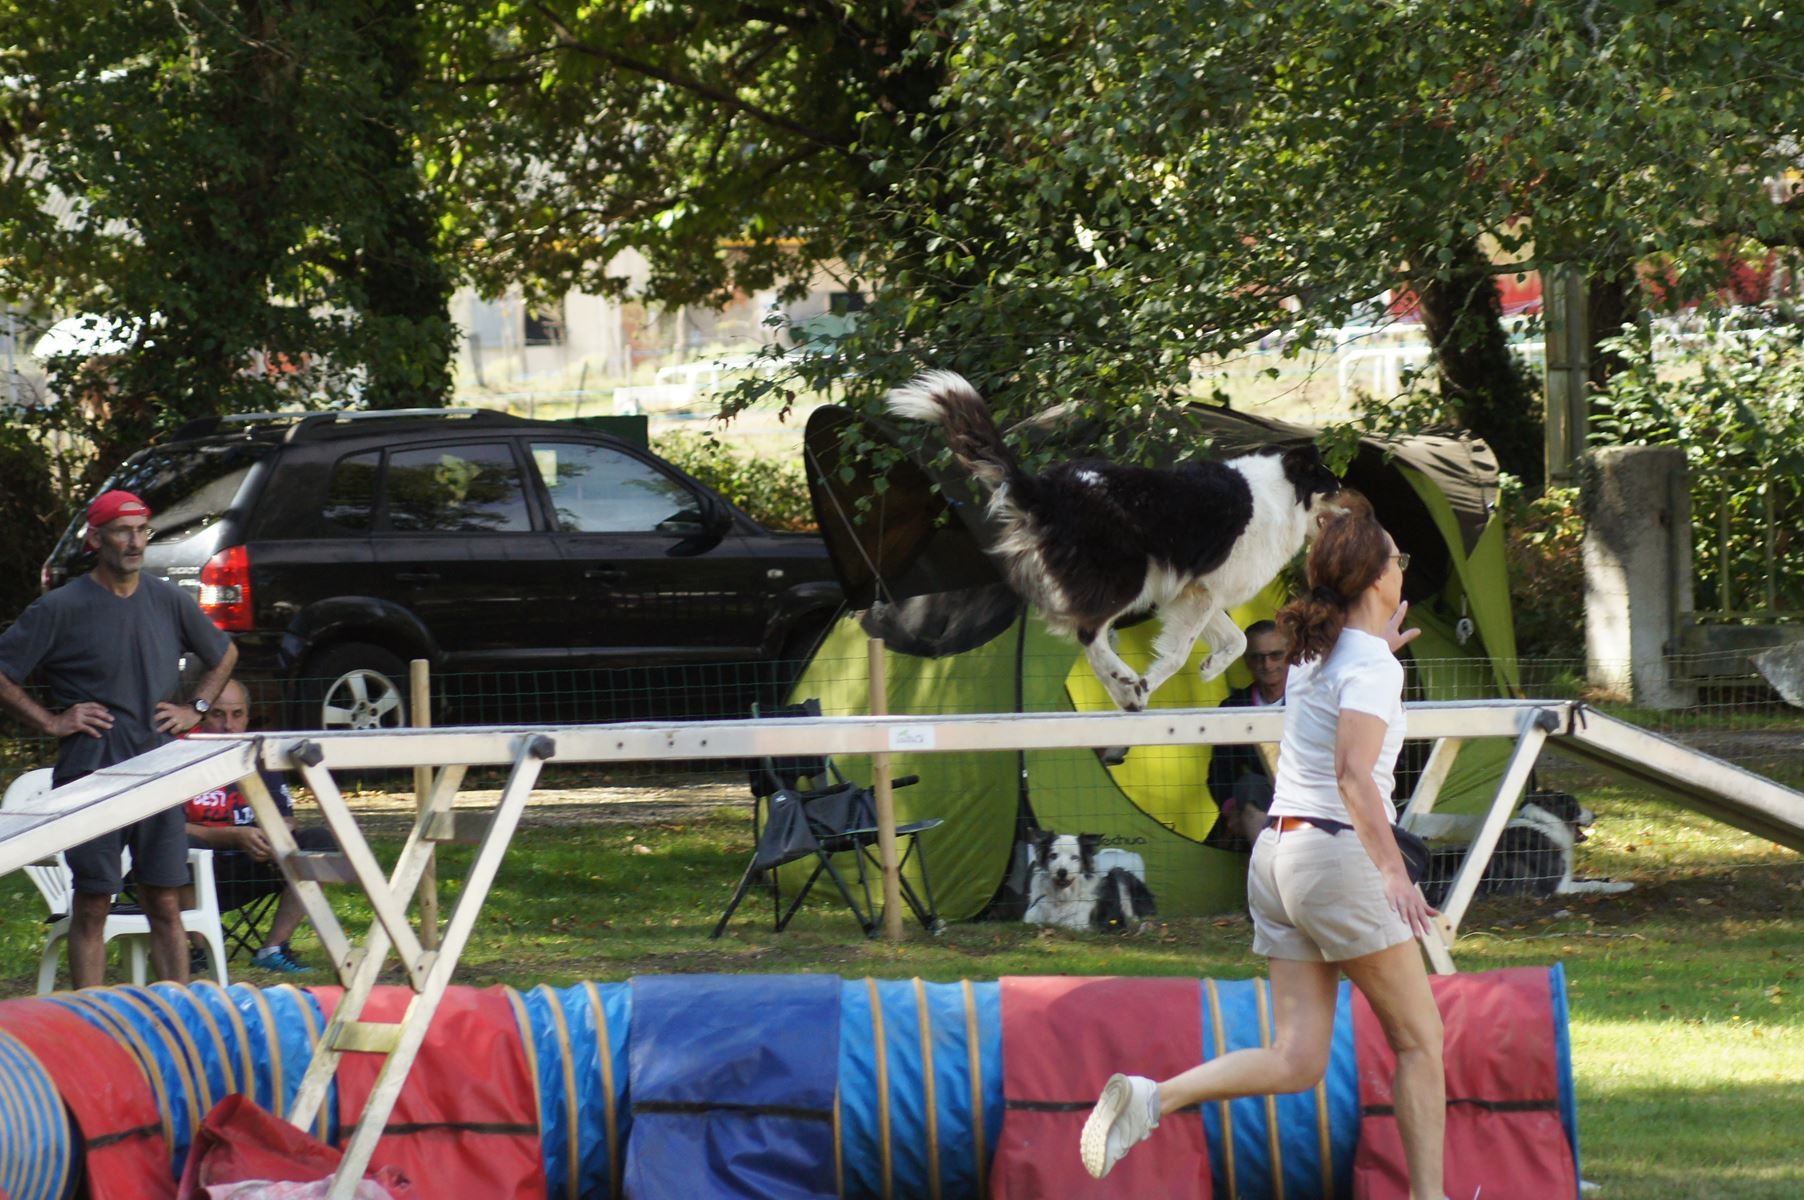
200, 705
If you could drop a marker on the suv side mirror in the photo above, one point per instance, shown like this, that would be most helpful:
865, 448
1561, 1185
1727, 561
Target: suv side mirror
705, 525
718, 518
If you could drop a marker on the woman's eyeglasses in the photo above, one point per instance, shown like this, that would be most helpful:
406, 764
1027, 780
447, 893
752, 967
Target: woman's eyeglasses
1402, 561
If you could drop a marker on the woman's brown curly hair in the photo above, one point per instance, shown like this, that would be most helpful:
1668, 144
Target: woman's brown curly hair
1350, 552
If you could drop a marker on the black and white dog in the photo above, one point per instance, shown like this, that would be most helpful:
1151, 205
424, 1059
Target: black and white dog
1533, 856
1089, 542
1066, 890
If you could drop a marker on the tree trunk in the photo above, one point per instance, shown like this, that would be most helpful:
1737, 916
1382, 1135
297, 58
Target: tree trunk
408, 336
1611, 301
1479, 376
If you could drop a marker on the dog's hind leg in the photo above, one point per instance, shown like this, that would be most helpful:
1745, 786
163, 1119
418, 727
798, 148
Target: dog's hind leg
1226, 643
1180, 623
1126, 686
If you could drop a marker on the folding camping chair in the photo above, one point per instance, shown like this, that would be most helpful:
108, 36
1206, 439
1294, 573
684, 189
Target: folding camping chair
245, 924
802, 808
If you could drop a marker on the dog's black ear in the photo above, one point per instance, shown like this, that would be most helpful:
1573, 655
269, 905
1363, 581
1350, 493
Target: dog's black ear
1087, 846
1304, 467
1043, 839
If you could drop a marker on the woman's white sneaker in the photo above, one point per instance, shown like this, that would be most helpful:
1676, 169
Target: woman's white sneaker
1123, 1118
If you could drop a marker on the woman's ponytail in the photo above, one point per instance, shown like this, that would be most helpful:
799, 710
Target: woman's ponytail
1350, 551
1311, 624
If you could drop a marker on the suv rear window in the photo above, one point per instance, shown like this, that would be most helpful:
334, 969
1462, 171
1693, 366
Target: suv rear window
189, 487
471, 488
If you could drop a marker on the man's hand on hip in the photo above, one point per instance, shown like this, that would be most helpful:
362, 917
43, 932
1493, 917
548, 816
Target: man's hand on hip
90, 717
176, 718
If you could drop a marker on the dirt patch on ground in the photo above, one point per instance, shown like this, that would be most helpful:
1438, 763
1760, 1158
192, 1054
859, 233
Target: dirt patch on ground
390, 814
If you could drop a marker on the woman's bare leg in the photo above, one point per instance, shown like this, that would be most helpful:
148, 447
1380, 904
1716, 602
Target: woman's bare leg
1303, 996
1129, 1108
1395, 982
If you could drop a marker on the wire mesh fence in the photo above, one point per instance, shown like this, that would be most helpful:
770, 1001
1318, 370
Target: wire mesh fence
1182, 815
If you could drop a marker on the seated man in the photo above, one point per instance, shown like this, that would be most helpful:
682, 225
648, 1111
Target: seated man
243, 866
1239, 777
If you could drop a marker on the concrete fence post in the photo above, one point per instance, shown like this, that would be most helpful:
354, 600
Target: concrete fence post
1638, 587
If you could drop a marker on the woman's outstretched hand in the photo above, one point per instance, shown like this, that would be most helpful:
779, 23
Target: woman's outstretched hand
1395, 636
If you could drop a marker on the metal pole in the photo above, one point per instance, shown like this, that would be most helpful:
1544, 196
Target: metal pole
886, 801
420, 679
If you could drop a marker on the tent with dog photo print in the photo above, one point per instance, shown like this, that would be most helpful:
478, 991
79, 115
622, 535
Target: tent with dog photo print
907, 535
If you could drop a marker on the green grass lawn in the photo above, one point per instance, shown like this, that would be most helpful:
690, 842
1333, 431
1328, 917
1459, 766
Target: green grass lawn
1687, 1001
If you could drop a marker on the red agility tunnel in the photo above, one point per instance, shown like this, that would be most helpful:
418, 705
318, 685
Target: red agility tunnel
770, 1086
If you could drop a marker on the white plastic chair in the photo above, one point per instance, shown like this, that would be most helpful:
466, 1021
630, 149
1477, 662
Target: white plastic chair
1110, 857
55, 882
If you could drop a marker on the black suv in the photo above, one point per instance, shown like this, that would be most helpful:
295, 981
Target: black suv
334, 547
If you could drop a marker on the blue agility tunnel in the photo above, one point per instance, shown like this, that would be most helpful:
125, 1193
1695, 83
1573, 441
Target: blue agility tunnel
810, 1086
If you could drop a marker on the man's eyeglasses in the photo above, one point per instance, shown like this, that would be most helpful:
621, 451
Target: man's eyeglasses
1402, 561
1255, 656
129, 535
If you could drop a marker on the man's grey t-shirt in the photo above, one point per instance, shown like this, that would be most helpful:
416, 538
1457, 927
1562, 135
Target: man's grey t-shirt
121, 651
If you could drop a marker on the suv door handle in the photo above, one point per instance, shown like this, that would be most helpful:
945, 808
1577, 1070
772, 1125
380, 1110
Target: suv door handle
417, 576
606, 574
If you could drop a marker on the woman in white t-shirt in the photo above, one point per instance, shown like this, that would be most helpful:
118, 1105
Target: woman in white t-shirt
1327, 886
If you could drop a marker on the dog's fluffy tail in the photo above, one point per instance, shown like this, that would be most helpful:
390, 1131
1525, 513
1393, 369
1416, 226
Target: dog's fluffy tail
948, 400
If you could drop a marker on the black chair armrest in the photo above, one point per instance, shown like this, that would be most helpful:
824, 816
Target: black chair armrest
905, 781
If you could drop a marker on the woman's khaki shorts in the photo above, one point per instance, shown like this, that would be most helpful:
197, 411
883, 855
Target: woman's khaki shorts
1317, 897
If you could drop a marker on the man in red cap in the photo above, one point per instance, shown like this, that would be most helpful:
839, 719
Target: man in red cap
109, 645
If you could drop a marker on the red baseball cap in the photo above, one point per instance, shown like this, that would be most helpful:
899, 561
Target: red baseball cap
110, 506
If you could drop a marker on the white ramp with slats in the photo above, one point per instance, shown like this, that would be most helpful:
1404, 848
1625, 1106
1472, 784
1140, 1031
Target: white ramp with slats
118, 795
114, 797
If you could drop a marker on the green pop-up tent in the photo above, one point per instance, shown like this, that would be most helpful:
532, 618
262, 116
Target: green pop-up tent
909, 548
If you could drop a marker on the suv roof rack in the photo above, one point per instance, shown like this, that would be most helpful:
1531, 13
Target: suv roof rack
301, 419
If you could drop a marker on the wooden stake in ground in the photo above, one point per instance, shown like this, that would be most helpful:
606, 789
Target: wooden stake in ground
886, 802
421, 712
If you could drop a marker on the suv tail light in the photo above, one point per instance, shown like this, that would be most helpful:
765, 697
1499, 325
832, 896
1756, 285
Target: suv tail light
225, 589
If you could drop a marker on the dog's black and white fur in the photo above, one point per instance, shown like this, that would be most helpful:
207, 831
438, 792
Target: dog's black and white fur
1066, 890
1533, 856
1089, 542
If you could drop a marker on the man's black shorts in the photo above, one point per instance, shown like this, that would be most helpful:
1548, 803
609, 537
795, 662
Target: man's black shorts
159, 846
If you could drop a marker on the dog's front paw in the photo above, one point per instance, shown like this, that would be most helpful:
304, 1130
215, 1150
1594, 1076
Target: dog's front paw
1127, 691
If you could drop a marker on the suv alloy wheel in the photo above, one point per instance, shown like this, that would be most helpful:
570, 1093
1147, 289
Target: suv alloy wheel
354, 686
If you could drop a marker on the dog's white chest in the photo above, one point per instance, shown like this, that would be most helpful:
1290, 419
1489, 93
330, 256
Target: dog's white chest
1069, 907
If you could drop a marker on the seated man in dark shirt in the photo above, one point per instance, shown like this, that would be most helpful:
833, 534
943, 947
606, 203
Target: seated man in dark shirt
243, 866
1240, 778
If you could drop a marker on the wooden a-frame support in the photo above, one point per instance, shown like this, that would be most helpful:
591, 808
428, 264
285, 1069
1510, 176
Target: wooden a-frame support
359, 966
